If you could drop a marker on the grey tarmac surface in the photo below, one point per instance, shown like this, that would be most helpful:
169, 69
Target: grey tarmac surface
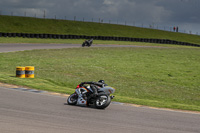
22, 47
30, 112
24, 111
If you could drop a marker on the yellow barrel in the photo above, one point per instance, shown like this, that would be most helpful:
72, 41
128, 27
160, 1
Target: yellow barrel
29, 71
20, 72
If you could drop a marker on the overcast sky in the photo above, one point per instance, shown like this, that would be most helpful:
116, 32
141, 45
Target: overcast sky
162, 14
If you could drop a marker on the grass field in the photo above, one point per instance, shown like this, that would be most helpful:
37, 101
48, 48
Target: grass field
51, 26
160, 77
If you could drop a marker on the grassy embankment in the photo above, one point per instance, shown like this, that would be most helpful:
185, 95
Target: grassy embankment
51, 26
157, 77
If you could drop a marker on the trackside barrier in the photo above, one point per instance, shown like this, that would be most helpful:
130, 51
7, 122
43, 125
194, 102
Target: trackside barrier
20, 72
57, 36
25, 72
29, 71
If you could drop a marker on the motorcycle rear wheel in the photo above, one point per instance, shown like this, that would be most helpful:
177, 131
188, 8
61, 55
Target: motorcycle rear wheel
72, 99
102, 101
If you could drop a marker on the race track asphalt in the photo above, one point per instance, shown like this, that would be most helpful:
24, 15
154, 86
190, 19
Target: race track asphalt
31, 111
23, 111
22, 47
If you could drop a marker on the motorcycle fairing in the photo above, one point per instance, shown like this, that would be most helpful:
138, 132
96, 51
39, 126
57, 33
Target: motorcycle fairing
80, 92
108, 90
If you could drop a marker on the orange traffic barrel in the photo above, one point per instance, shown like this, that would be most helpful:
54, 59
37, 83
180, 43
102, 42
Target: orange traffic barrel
20, 72
29, 71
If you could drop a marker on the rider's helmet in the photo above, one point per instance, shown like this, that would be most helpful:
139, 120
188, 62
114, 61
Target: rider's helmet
101, 81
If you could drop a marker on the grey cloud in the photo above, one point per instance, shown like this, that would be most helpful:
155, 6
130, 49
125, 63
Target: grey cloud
182, 10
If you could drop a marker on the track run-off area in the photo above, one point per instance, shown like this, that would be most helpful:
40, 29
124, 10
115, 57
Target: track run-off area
23, 110
23, 46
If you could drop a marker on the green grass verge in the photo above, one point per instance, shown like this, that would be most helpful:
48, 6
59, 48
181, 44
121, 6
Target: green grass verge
160, 77
51, 26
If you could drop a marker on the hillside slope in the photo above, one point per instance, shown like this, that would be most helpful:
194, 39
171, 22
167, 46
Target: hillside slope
51, 26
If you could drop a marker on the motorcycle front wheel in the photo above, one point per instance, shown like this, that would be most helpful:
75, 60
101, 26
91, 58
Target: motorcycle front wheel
72, 99
83, 45
102, 101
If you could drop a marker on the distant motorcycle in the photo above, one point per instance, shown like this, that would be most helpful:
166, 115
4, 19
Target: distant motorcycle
87, 43
83, 96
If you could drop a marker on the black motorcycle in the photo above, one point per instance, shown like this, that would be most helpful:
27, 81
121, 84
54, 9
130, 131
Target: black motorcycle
87, 43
